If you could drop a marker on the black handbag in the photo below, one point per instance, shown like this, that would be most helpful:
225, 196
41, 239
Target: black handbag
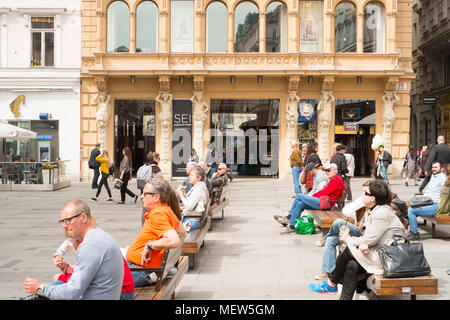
402, 260
420, 201
118, 184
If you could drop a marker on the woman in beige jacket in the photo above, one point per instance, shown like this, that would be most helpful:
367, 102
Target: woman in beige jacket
361, 255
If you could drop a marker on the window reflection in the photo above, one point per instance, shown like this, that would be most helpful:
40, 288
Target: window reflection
182, 26
311, 26
118, 27
345, 27
276, 26
146, 27
216, 27
246, 28
374, 28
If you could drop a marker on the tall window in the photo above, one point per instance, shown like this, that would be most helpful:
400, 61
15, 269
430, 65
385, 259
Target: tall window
216, 27
374, 29
118, 27
182, 26
276, 25
311, 13
42, 42
345, 27
147, 27
246, 27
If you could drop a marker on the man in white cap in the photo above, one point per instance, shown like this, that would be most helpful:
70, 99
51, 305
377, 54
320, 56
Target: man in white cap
333, 190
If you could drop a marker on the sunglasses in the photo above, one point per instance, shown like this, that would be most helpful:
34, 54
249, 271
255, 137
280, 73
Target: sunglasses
68, 220
368, 194
151, 193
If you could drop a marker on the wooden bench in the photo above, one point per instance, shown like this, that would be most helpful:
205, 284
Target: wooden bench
403, 286
436, 220
164, 289
326, 218
194, 240
219, 204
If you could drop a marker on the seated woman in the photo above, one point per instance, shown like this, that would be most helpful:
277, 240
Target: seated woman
360, 255
197, 197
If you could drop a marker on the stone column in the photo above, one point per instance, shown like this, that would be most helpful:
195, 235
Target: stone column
230, 46
262, 32
165, 120
101, 98
360, 31
324, 116
199, 115
198, 28
163, 29
293, 30
388, 115
132, 32
291, 115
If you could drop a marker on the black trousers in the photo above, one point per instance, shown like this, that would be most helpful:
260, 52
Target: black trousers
346, 272
425, 182
124, 188
95, 179
103, 181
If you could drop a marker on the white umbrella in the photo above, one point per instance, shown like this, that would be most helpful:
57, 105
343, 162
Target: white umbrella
9, 131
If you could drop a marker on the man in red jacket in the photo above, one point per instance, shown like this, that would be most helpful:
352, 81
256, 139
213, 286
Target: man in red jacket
333, 190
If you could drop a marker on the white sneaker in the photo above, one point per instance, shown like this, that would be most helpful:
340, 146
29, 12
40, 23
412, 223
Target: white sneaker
320, 243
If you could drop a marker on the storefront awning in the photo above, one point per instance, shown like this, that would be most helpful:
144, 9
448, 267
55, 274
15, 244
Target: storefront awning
370, 119
10, 131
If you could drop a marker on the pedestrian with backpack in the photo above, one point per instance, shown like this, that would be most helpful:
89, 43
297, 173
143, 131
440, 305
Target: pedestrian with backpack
148, 170
126, 168
105, 165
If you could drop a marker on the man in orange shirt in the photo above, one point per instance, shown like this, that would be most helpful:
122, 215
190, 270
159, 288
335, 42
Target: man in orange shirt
162, 229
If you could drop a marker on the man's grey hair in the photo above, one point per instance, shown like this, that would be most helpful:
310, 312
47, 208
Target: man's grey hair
78, 207
161, 187
191, 164
199, 172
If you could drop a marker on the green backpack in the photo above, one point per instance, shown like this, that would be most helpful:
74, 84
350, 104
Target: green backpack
305, 225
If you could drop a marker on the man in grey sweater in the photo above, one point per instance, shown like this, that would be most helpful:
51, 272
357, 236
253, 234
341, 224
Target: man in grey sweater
98, 271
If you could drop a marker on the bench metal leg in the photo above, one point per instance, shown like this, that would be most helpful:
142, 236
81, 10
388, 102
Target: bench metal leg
433, 230
413, 297
223, 210
191, 260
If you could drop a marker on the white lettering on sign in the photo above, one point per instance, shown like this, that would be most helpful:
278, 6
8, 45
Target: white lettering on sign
406, 290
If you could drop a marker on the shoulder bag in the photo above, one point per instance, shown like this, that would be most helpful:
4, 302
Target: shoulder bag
402, 260
420, 201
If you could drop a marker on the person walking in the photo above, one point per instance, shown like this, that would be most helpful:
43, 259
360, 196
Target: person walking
411, 166
194, 156
422, 159
296, 163
126, 168
95, 165
383, 161
104, 169
351, 171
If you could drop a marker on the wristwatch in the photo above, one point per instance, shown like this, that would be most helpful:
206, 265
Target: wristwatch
39, 289
149, 244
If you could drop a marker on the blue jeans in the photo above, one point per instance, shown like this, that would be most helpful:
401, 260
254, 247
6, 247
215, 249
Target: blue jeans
332, 241
302, 202
296, 176
126, 296
383, 172
140, 278
426, 211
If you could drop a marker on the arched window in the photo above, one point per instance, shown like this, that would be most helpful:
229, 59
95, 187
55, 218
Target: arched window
181, 26
311, 15
374, 28
147, 27
118, 27
345, 27
276, 27
246, 27
216, 27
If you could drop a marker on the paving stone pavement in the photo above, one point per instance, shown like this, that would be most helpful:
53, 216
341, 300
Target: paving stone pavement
244, 256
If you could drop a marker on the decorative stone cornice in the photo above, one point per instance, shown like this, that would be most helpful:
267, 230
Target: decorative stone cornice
390, 83
327, 84
100, 83
164, 83
294, 82
199, 83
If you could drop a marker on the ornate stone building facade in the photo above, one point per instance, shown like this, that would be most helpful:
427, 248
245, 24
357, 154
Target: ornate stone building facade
430, 94
325, 71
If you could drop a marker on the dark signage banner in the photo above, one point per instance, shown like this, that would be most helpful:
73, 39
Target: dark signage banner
429, 100
181, 136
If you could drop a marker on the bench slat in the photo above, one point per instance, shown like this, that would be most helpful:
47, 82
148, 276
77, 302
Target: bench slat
398, 286
192, 243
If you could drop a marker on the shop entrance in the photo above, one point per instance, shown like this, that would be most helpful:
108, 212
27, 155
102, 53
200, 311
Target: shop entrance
355, 122
250, 128
134, 127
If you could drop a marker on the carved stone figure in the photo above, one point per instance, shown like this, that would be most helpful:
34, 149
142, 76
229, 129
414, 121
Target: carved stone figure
292, 109
389, 99
199, 107
102, 114
324, 117
165, 119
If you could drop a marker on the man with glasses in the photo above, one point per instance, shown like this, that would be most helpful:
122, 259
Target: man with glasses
162, 229
98, 271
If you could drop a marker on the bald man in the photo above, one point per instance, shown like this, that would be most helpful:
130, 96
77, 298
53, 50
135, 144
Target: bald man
98, 271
